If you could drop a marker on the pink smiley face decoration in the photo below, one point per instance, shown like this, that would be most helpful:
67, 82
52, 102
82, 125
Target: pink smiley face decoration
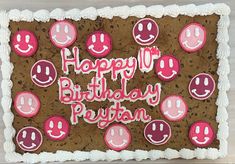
29, 139
157, 132
26, 104
167, 67
56, 128
145, 31
117, 137
24, 43
201, 134
99, 44
192, 37
63, 34
174, 108
201, 86
43, 73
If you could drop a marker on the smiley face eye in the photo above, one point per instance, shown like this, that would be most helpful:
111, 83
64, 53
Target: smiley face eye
120, 132
161, 127
33, 136
206, 131
149, 26
57, 28
30, 101
197, 82
47, 71
93, 38
22, 100
27, 37
101, 38
112, 132
196, 32
188, 33
18, 38
51, 124
154, 127
24, 134
66, 29
39, 69
162, 64
197, 130
206, 82
59, 125
171, 63
140, 27
178, 102
169, 105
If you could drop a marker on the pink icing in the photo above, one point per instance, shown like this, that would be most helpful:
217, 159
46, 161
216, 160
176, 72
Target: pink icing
117, 137
167, 67
192, 37
145, 31
63, 34
99, 44
201, 134
26, 104
174, 108
24, 43
56, 128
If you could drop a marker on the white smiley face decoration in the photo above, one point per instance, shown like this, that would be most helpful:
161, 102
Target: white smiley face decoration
56, 128
24, 43
26, 104
167, 67
201, 134
43, 73
174, 108
145, 31
201, 86
63, 34
192, 37
157, 132
117, 137
29, 139
99, 44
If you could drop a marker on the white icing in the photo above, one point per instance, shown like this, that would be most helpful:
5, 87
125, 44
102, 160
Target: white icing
186, 153
106, 12
42, 15
57, 14
156, 11
73, 14
140, 11
89, 13
172, 10
26, 15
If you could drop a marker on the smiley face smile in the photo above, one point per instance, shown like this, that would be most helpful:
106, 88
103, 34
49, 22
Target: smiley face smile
68, 38
28, 147
206, 139
91, 47
17, 46
56, 136
157, 142
42, 82
199, 43
167, 77
180, 112
201, 95
118, 145
144, 40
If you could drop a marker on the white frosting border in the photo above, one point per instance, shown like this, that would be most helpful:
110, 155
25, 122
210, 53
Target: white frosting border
139, 11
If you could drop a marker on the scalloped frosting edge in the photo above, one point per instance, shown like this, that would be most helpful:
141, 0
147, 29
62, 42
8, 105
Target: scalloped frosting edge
140, 11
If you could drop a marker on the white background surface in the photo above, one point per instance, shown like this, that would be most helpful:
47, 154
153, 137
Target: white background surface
81, 4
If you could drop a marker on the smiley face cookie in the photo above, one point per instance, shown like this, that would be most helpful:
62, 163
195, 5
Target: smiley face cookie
117, 137
26, 104
201, 86
63, 34
99, 44
29, 139
167, 67
56, 128
174, 108
157, 132
43, 73
192, 37
201, 134
24, 43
